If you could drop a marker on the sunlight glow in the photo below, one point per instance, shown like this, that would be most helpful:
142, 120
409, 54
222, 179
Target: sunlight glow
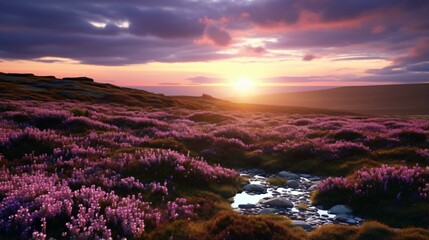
244, 84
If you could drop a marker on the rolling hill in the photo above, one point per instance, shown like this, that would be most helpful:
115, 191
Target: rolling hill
404, 99
16, 86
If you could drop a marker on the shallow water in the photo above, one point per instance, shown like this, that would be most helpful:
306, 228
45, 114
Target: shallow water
314, 216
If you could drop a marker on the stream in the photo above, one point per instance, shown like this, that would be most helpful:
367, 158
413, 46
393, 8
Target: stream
291, 200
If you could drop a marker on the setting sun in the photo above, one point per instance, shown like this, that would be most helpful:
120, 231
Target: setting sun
244, 84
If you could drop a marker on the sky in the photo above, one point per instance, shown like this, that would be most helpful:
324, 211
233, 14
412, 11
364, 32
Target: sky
240, 44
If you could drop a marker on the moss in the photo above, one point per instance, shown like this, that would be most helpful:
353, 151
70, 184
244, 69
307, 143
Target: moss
302, 207
277, 181
368, 231
229, 225
333, 232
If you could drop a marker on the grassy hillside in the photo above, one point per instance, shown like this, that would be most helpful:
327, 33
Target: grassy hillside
82, 89
404, 99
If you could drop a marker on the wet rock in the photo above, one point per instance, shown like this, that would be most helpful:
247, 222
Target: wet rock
312, 187
255, 188
292, 183
340, 209
247, 206
305, 175
278, 202
289, 175
302, 224
352, 221
268, 211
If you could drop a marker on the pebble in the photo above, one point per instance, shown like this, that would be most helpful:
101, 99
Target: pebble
340, 209
292, 183
255, 188
247, 206
288, 175
278, 202
302, 224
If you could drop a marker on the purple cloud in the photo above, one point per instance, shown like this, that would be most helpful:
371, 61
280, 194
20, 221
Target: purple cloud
218, 36
174, 31
204, 79
308, 57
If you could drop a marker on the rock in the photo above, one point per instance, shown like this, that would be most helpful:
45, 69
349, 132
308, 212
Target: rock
305, 175
79, 79
289, 175
340, 209
292, 183
302, 224
352, 221
255, 188
246, 206
268, 211
278, 202
312, 187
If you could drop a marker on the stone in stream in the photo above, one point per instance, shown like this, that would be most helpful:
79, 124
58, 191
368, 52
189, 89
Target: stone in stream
292, 183
278, 202
268, 211
305, 175
255, 188
289, 175
246, 206
340, 209
344, 218
312, 187
302, 224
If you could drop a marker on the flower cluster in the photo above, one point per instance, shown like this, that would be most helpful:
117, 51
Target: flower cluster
86, 172
391, 181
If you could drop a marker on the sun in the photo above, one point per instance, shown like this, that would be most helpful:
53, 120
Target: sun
244, 84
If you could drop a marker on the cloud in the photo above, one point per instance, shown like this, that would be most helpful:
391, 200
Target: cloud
253, 51
304, 79
217, 35
169, 84
421, 67
358, 58
170, 30
204, 79
308, 57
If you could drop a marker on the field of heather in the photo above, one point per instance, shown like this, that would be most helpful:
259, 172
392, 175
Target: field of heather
73, 170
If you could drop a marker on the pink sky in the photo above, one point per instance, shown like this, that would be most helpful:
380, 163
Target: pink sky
205, 43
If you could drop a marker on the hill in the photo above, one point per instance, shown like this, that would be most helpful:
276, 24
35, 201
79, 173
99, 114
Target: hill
15, 86
404, 99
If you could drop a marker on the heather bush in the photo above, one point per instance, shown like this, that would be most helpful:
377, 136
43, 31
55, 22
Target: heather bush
410, 136
84, 124
210, 117
382, 189
78, 112
101, 171
346, 135
233, 132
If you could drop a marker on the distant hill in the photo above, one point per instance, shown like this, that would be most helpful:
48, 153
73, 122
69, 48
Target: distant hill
403, 99
17, 86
